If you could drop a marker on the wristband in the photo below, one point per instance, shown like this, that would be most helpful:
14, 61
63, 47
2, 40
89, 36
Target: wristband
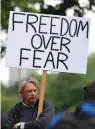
22, 125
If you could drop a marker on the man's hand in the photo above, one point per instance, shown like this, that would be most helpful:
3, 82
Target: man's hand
19, 125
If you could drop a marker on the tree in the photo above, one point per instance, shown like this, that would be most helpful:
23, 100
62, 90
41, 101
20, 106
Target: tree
79, 8
8, 98
29, 6
91, 67
65, 90
19, 5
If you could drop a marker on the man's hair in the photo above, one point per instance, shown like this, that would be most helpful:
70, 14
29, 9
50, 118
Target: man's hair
24, 81
89, 91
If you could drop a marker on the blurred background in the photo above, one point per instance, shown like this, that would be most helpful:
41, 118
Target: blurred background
64, 90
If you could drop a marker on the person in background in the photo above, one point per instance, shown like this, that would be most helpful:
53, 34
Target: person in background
84, 115
23, 115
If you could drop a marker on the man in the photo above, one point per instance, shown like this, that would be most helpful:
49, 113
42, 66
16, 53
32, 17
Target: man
23, 115
82, 118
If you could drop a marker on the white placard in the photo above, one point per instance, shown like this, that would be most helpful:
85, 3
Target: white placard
47, 42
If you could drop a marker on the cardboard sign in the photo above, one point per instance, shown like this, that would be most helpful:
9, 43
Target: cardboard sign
47, 42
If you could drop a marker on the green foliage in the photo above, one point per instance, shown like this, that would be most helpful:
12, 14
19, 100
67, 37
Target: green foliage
8, 97
64, 90
91, 67
7, 101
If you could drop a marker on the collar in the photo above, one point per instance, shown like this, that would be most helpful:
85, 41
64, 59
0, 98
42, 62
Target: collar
32, 105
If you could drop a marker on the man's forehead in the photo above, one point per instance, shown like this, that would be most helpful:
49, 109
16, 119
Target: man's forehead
30, 86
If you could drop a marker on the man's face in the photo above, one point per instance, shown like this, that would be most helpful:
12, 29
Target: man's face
29, 93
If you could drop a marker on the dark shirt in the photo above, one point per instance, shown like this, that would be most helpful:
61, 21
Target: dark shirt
29, 114
4, 123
